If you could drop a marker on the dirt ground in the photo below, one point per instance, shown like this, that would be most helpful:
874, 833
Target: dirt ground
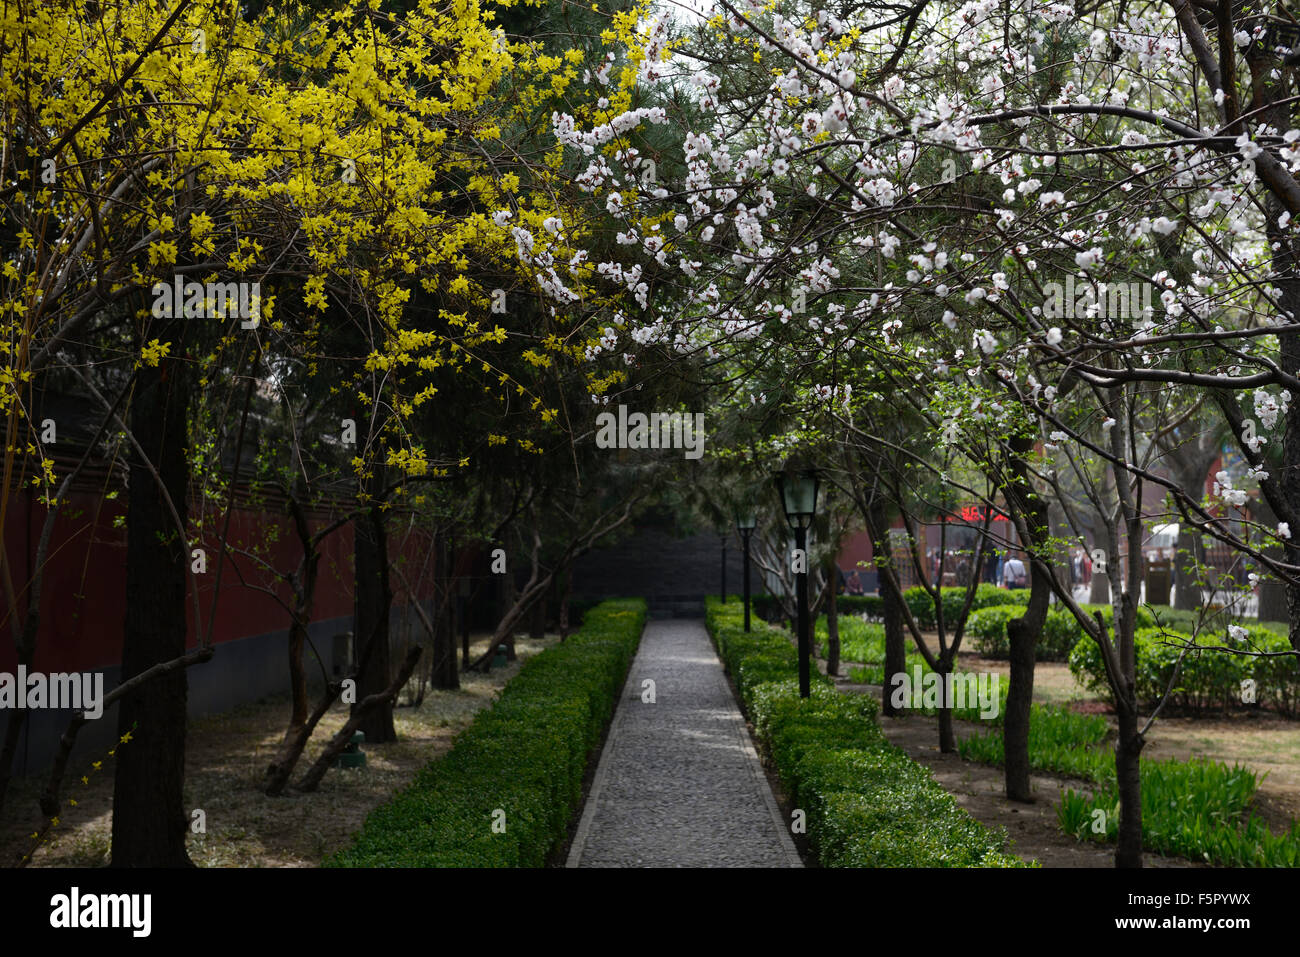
225, 757
1265, 743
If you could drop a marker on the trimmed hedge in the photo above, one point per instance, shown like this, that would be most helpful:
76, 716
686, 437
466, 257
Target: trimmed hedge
1210, 680
526, 756
1061, 631
867, 803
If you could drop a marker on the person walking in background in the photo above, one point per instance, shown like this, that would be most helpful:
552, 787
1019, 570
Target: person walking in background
1014, 573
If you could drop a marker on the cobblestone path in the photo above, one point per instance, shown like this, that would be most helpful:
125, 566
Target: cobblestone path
679, 783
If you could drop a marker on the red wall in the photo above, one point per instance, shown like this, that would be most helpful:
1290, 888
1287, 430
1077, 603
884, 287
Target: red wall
855, 548
82, 600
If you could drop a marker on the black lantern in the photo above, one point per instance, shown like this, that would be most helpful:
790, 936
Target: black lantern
798, 491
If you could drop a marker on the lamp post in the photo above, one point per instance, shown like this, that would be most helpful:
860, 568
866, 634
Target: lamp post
746, 522
798, 491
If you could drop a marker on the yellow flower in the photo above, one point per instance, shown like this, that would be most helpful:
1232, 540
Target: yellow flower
155, 351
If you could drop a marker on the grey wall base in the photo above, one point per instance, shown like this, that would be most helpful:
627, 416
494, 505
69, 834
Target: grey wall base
240, 672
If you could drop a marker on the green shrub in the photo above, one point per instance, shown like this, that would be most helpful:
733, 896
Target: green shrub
921, 603
1208, 679
526, 755
987, 629
1061, 630
1208, 619
868, 804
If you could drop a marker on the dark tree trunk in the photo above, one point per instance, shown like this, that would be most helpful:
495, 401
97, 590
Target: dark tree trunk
1128, 752
374, 600
1291, 446
278, 773
1128, 749
149, 817
304, 598
947, 740
1273, 93
13, 731
311, 780
1188, 559
1024, 633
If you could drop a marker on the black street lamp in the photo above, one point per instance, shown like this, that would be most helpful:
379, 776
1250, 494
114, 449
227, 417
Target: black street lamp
798, 491
746, 522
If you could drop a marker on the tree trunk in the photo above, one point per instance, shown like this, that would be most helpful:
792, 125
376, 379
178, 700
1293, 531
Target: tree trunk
149, 817
304, 597
1290, 342
1188, 560
1128, 751
1099, 593
947, 740
279, 771
1024, 633
13, 731
374, 599
1286, 269
382, 698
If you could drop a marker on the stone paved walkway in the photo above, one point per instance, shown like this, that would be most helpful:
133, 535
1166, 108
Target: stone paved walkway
679, 783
